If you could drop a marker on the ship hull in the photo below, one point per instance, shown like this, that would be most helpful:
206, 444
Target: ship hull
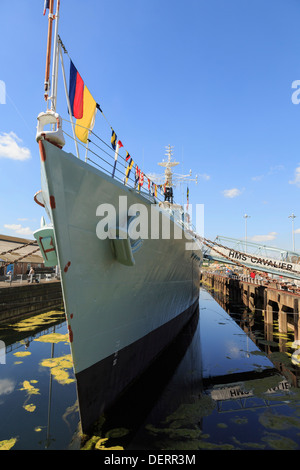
120, 370
120, 317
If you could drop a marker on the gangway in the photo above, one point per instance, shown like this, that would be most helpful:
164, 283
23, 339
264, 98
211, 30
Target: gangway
254, 256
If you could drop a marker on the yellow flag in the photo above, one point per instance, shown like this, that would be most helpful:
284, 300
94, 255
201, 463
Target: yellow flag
88, 118
128, 169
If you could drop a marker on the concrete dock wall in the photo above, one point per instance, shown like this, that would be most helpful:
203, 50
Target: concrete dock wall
30, 299
267, 298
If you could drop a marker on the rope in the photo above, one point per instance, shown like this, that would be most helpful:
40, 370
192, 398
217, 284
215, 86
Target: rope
22, 257
18, 248
25, 256
224, 256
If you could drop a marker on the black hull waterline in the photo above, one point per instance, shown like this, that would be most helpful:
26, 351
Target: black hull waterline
100, 385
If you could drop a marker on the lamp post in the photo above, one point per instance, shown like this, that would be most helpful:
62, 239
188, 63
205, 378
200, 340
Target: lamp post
293, 233
246, 216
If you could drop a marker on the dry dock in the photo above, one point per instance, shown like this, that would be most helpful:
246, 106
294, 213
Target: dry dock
19, 300
270, 298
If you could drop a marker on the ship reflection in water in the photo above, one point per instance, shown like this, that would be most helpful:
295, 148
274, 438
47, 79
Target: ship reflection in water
215, 387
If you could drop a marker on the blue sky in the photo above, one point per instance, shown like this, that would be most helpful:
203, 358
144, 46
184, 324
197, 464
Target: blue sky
213, 78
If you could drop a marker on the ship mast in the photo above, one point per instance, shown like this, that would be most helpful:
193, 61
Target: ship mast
50, 117
171, 180
168, 173
51, 17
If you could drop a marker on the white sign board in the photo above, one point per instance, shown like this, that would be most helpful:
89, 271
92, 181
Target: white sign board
256, 261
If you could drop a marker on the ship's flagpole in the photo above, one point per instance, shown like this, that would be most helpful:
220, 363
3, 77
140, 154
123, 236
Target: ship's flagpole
87, 145
68, 100
50, 117
48, 55
55, 61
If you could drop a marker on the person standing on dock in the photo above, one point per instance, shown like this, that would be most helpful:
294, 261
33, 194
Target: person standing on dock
32, 275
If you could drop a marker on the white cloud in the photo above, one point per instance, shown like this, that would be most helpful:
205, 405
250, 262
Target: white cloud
275, 169
7, 386
10, 147
234, 192
19, 229
264, 238
272, 171
205, 176
297, 230
297, 177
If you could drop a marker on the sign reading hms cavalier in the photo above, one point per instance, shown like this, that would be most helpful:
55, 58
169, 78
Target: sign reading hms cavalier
259, 262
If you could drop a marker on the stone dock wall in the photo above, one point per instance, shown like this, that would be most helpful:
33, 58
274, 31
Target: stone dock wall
268, 298
30, 299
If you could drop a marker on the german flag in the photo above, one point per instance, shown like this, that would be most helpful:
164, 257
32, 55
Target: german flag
76, 88
83, 105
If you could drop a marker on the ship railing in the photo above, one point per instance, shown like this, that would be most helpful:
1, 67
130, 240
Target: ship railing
100, 154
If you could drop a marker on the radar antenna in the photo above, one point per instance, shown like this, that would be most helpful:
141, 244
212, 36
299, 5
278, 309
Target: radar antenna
170, 179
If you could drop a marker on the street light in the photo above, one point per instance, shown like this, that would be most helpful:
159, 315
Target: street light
246, 217
293, 233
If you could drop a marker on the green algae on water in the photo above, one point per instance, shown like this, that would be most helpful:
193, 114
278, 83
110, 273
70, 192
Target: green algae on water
277, 442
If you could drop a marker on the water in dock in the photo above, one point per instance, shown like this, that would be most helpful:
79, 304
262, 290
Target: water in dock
221, 385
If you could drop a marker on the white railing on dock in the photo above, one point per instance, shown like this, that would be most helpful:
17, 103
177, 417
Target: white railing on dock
279, 284
31, 279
